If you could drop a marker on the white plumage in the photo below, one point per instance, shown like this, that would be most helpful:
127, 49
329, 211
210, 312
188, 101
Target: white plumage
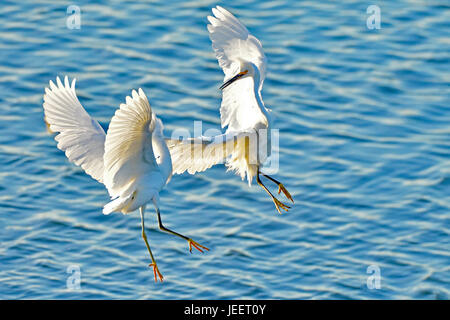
247, 140
132, 160
123, 160
242, 110
199, 154
81, 137
233, 43
242, 107
129, 161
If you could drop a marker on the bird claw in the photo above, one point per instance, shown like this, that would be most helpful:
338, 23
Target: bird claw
156, 272
279, 204
196, 245
286, 193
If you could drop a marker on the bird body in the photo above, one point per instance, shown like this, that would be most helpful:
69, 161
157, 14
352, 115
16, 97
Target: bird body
132, 174
254, 119
123, 160
132, 159
246, 144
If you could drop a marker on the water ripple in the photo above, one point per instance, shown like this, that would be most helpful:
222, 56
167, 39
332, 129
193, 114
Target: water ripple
364, 150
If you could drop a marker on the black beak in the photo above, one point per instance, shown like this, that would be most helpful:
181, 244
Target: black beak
230, 81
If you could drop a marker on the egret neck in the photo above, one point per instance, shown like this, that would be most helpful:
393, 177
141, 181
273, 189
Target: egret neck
164, 160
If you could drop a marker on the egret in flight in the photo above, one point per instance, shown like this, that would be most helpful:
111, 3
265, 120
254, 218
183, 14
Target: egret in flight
132, 160
242, 111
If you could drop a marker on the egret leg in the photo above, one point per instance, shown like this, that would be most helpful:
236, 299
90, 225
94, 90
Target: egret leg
277, 202
281, 187
153, 264
191, 242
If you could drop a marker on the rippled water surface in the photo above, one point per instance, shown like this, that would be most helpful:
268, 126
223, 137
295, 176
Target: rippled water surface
364, 119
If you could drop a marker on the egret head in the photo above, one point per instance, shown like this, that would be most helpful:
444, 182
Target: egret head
246, 69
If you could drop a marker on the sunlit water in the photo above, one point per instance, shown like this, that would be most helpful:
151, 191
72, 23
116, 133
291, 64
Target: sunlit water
364, 149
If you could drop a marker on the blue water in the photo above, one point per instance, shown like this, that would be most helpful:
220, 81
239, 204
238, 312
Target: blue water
364, 119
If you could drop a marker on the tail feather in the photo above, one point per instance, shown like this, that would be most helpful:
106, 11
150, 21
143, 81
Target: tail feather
117, 205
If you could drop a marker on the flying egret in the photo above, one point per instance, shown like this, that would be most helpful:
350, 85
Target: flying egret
242, 111
132, 160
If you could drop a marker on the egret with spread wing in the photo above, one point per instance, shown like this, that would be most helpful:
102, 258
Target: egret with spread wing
242, 111
132, 160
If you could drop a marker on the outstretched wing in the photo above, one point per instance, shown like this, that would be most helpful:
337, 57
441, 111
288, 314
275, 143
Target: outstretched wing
199, 154
233, 44
81, 137
128, 145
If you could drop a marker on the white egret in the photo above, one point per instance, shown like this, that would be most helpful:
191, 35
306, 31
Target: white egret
242, 111
132, 160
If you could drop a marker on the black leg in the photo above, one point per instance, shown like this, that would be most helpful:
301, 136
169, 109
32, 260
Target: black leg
191, 242
280, 187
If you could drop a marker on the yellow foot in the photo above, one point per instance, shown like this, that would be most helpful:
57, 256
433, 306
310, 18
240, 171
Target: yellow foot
156, 272
196, 245
279, 204
286, 193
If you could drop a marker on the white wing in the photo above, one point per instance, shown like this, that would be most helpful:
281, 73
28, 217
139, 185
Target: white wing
199, 154
128, 145
81, 137
232, 44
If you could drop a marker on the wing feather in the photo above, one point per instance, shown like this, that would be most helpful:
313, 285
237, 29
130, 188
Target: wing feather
232, 43
199, 154
128, 146
80, 137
